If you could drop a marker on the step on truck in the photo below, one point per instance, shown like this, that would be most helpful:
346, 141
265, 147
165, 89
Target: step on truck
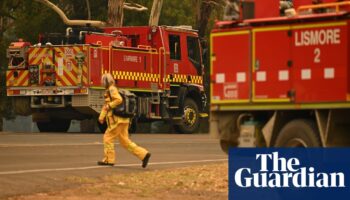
58, 79
281, 78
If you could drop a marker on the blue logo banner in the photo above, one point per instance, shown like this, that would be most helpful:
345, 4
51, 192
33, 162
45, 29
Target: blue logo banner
289, 174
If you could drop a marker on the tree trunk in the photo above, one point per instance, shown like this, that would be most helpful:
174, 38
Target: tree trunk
197, 10
88, 9
204, 10
155, 13
115, 12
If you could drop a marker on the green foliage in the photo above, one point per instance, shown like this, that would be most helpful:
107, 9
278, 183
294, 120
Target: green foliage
178, 13
33, 18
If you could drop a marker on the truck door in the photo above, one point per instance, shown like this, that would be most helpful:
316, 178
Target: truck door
271, 64
230, 66
176, 67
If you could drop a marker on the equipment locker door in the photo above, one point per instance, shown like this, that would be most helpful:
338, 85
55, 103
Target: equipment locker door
134, 68
96, 65
320, 60
71, 65
230, 71
271, 64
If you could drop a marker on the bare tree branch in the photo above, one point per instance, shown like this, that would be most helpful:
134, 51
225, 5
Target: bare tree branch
6, 14
68, 21
135, 7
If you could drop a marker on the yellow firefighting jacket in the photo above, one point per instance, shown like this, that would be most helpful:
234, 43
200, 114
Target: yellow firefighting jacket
112, 99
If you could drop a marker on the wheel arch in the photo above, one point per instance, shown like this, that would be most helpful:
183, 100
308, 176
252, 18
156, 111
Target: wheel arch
193, 92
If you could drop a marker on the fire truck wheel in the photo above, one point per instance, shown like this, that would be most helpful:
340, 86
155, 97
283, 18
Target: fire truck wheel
190, 119
299, 133
56, 125
225, 145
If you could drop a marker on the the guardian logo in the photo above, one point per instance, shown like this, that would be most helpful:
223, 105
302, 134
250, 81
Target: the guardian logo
280, 172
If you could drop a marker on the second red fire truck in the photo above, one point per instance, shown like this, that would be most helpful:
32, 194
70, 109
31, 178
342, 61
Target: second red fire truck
282, 80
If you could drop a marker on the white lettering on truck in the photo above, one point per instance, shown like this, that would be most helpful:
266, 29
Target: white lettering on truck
317, 37
135, 59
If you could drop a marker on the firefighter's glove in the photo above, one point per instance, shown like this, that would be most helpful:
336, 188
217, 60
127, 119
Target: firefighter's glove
106, 108
103, 114
101, 121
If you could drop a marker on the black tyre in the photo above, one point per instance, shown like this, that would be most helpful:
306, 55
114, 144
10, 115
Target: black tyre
190, 118
226, 145
57, 125
299, 133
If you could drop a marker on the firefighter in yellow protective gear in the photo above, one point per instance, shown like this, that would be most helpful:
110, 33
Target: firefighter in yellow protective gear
117, 126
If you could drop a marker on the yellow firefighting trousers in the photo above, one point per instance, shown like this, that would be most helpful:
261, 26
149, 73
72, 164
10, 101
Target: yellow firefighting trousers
120, 132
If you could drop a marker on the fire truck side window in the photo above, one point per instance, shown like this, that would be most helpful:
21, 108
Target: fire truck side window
194, 54
174, 46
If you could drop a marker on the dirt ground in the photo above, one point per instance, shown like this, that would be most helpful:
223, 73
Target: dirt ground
204, 182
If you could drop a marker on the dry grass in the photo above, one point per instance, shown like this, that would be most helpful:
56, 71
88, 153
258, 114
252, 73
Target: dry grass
205, 182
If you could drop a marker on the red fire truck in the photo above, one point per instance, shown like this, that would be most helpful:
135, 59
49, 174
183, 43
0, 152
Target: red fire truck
282, 81
58, 79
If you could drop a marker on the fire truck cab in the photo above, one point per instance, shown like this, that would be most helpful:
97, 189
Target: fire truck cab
58, 79
282, 78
